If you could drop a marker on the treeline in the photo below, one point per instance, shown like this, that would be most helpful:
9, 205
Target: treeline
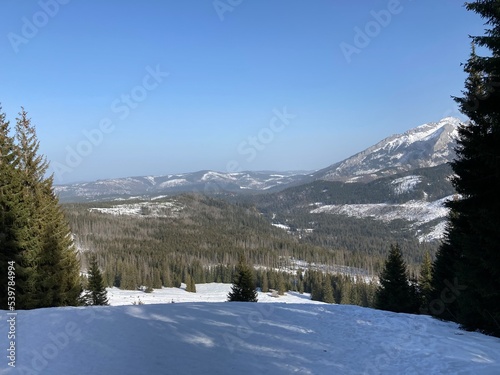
325, 287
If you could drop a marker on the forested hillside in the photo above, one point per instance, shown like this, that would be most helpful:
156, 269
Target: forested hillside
201, 232
161, 242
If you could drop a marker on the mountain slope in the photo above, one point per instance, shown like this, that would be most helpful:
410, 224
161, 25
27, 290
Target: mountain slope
427, 145
409, 204
243, 338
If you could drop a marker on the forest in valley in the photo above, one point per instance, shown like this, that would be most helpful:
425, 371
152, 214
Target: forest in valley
195, 238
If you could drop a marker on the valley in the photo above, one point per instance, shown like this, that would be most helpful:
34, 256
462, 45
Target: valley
158, 231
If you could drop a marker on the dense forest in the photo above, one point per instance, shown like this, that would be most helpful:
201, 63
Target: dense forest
200, 233
193, 238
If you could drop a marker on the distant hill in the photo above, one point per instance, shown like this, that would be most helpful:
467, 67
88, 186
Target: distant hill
199, 182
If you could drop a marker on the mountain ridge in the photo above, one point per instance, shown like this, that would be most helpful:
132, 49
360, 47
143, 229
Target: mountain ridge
427, 145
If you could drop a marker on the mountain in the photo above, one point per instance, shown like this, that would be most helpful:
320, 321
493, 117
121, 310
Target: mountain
409, 204
427, 145
245, 338
201, 182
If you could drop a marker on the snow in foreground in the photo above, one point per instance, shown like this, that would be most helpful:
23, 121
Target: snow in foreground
243, 338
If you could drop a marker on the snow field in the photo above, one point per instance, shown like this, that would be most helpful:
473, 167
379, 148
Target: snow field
222, 338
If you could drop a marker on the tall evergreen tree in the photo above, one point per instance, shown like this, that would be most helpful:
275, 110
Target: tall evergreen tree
425, 282
33, 230
14, 215
470, 255
394, 292
327, 290
50, 257
243, 288
96, 294
190, 283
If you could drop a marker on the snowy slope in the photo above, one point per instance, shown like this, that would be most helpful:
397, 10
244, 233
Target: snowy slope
425, 146
243, 338
419, 212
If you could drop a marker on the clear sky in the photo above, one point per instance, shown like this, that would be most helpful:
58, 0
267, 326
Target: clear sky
132, 88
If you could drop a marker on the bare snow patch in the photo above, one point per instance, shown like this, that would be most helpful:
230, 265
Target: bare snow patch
419, 211
281, 226
405, 184
436, 233
143, 209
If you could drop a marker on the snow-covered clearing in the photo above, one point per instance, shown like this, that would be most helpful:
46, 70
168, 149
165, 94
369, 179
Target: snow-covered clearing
242, 338
212, 292
405, 184
419, 211
143, 209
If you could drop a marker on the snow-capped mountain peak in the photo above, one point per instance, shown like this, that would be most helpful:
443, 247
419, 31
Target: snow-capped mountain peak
426, 145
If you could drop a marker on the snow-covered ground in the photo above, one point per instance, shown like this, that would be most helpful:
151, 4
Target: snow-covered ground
212, 292
221, 338
405, 184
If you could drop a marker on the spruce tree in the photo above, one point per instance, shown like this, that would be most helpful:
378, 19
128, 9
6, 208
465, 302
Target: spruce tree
327, 290
49, 258
444, 274
394, 292
470, 256
96, 294
243, 288
14, 216
190, 284
425, 282
265, 282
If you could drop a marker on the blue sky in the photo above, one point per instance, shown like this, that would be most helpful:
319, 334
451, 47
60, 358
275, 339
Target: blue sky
128, 88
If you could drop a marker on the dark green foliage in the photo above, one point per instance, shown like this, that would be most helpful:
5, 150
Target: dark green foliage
395, 293
205, 239
425, 283
264, 286
243, 288
470, 255
96, 294
34, 232
13, 213
327, 291
442, 305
